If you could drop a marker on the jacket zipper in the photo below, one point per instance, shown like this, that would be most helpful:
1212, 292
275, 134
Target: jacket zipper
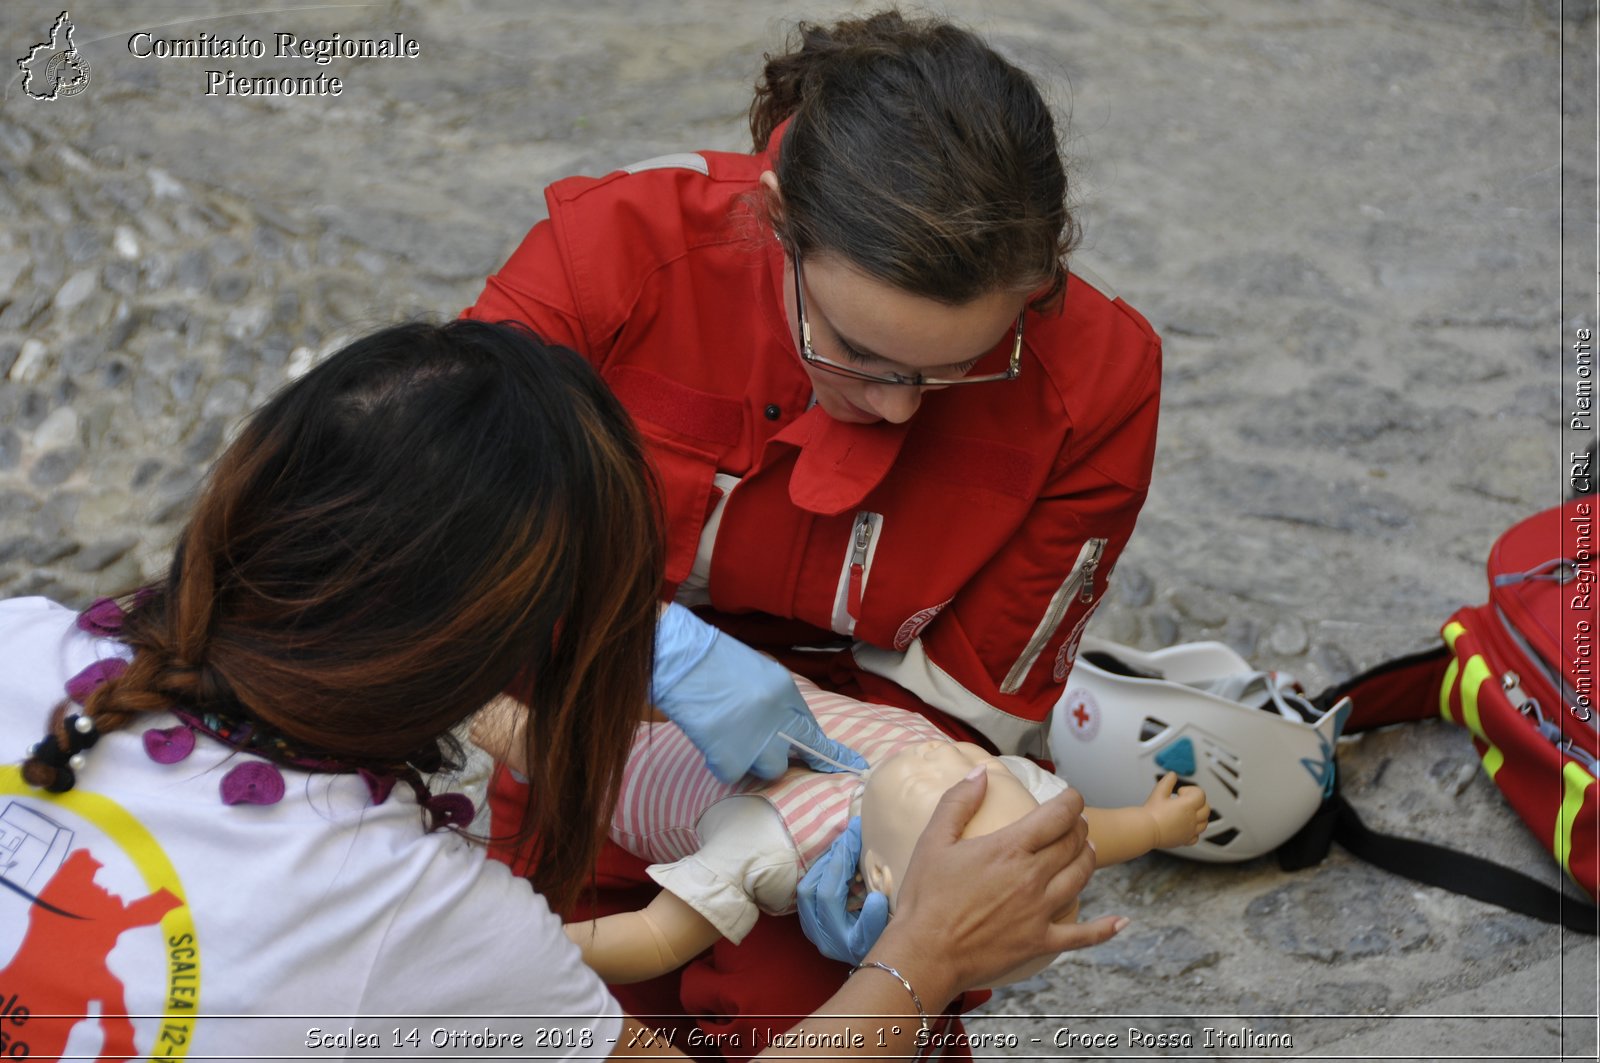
1078, 585
857, 566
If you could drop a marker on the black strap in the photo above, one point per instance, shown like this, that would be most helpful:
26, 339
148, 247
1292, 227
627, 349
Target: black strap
1433, 865
1396, 691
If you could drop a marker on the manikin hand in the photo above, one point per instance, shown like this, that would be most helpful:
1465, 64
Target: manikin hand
732, 702
837, 932
1179, 818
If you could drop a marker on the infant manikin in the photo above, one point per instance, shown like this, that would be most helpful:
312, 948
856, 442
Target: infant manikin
724, 853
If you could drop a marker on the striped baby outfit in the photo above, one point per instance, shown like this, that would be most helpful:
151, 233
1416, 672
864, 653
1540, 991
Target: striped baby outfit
666, 786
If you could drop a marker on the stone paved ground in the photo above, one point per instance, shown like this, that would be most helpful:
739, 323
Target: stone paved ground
1364, 227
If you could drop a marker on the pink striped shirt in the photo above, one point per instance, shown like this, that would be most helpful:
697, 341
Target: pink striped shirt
666, 786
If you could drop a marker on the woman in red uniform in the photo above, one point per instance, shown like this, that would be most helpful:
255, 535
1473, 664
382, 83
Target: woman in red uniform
900, 446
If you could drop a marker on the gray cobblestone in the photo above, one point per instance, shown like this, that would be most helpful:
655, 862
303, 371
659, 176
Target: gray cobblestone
1163, 627
194, 270
100, 556
21, 313
58, 429
12, 265
53, 468
1288, 637
230, 288
1365, 914
1168, 952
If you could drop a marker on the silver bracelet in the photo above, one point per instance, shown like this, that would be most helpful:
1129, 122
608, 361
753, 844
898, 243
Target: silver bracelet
921, 1012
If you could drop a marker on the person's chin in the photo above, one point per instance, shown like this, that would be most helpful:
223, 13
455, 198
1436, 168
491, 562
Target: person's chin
842, 409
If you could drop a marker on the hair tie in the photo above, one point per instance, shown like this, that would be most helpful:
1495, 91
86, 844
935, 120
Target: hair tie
65, 760
449, 810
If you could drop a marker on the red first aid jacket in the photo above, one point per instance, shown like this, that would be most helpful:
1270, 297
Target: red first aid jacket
949, 562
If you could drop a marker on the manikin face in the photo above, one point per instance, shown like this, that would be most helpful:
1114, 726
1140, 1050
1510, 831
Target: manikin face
900, 796
899, 799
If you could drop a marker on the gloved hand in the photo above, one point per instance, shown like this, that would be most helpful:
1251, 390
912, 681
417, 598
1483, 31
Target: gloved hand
732, 701
838, 933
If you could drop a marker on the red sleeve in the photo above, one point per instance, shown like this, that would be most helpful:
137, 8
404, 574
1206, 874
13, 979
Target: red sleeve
588, 271
534, 287
1076, 532
998, 655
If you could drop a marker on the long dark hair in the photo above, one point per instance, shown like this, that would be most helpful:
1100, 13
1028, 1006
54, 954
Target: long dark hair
920, 155
433, 515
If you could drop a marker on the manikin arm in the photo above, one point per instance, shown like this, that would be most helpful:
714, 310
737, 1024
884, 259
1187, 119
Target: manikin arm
633, 946
1166, 820
497, 730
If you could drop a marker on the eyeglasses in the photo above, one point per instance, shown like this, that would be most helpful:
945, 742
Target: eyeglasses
809, 355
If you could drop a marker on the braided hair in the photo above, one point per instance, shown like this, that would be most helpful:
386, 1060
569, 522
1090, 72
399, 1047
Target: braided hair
430, 517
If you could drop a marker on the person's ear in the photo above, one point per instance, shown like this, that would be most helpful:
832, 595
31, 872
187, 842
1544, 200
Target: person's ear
772, 196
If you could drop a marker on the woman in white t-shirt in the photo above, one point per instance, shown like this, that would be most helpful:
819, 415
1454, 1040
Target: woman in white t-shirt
225, 842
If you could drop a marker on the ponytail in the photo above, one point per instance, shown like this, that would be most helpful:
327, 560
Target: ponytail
919, 155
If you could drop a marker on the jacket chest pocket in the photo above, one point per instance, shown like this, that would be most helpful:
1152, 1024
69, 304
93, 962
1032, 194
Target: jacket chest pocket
686, 431
684, 478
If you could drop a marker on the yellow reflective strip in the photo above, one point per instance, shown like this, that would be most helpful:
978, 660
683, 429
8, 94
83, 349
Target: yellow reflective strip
1493, 760
1577, 782
1449, 684
1451, 632
1472, 677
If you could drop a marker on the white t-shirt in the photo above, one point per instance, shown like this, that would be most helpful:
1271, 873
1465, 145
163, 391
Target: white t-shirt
318, 926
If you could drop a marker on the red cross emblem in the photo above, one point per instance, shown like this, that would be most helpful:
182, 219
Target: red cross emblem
1081, 714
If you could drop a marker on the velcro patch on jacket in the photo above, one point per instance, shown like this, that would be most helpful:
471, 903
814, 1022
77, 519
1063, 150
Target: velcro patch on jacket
683, 409
970, 462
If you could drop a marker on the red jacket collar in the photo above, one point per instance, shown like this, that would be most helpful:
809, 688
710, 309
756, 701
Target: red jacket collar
839, 464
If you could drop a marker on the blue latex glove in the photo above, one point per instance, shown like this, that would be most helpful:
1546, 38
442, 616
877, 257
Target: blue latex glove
838, 933
732, 701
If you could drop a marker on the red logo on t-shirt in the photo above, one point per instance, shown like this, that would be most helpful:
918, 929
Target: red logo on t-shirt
61, 966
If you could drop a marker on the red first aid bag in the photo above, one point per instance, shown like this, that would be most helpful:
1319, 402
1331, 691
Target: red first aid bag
1517, 672
1521, 679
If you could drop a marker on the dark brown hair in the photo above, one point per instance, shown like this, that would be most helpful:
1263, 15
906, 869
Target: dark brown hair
919, 155
433, 515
